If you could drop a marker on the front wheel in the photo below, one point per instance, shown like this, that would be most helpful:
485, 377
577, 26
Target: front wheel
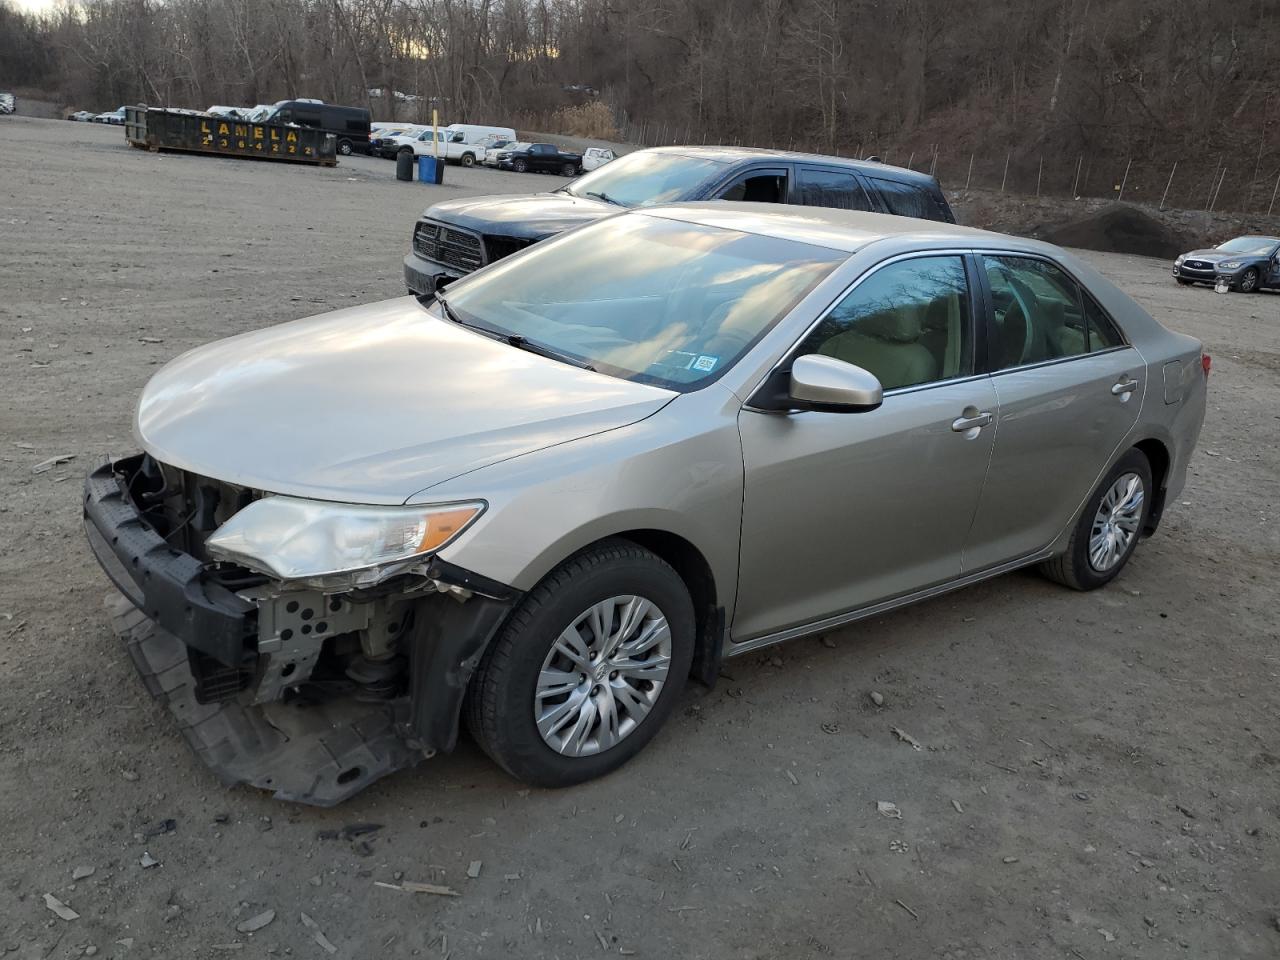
1109, 527
1183, 281
344, 147
587, 667
1248, 281
520, 166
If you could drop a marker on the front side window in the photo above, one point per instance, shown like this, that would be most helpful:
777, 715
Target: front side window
760, 186
645, 298
1039, 314
904, 200
830, 188
646, 177
908, 323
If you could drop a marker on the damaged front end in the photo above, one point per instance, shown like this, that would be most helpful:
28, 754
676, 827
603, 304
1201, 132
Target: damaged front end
311, 687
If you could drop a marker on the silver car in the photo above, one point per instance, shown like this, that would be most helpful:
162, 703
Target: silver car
543, 501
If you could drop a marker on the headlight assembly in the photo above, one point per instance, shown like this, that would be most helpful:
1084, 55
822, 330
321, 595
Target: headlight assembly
294, 539
1231, 264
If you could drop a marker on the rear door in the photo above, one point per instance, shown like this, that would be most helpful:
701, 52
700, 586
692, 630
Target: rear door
1069, 390
829, 187
545, 157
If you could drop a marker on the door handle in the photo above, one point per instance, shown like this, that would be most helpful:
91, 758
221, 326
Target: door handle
965, 424
1124, 386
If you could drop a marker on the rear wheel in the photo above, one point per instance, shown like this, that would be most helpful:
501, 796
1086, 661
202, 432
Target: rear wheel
520, 166
468, 160
586, 669
569, 170
1109, 527
344, 147
1248, 281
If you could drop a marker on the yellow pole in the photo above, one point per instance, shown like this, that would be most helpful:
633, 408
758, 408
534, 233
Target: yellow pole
435, 133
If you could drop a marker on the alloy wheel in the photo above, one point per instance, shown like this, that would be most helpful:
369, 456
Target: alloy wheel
1115, 525
603, 675
1248, 281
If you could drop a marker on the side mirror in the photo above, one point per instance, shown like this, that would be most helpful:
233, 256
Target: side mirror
820, 383
825, 383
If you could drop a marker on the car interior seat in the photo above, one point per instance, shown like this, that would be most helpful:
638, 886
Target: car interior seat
887, 344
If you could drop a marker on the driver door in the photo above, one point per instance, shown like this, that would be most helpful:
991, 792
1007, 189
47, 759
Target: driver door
1273, 271
842, 510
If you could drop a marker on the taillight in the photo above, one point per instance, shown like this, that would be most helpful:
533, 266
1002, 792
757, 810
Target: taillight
1206, 363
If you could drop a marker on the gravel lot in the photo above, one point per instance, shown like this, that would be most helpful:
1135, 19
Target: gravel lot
1100, 774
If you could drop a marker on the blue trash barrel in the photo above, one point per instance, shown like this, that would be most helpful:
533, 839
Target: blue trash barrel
430, 170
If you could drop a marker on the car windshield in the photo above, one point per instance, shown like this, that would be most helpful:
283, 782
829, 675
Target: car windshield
645, 178
1250, 245
644, 298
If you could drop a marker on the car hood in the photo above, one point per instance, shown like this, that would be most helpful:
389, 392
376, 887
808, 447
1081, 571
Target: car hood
532, 217
371, 405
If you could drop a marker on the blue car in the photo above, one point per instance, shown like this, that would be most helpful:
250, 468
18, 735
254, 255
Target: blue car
1246, 264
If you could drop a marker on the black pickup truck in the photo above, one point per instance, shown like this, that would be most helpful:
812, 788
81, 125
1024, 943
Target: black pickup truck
540, 158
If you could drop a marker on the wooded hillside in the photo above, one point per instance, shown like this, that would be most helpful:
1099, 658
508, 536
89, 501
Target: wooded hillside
1042, 86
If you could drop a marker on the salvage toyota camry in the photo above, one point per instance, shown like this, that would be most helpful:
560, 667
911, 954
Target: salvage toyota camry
543, 501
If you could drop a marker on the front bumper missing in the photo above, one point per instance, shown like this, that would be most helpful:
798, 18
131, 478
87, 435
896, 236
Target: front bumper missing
173, 616
319, 754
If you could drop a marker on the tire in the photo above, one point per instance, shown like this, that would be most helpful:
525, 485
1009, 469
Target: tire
1248, 282
1075, 568
1183, 281
520, 166
502, 697
344, 147
568, 170
468, 160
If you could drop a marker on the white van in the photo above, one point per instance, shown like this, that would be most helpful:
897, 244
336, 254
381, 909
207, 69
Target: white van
462, 143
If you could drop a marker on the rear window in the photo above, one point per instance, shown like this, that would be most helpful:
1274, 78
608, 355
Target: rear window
905, 200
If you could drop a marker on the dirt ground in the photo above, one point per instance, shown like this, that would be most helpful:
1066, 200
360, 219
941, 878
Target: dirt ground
1100, 773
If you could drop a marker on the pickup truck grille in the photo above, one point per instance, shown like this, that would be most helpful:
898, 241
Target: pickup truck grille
448, 245
497, 247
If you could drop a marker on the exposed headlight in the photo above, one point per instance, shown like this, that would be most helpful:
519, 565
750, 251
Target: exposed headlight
293, 539
1178, 262
1231, 264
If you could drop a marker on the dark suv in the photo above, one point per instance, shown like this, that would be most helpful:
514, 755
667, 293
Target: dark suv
456, 237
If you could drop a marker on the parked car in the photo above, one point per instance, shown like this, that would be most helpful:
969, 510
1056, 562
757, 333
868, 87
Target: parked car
386, 142
594, 157
455, 237
1247, 264
8, 103
496, 147
81, 116
114, 117
541, 158
350, 125
461, 143
735, 425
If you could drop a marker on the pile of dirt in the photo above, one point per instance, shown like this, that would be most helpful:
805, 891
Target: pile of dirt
1119, 228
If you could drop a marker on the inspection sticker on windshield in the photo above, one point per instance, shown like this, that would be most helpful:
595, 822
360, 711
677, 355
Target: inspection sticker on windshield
704, 363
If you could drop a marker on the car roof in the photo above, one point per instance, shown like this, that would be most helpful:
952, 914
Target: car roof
844, 230
871, 168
